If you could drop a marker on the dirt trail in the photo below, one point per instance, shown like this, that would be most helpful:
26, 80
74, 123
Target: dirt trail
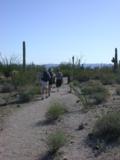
24, 133
22, 139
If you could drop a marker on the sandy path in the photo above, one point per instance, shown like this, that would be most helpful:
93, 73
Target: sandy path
22, 139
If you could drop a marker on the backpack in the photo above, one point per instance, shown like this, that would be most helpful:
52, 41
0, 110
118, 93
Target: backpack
51, 74
45, 76
59, 76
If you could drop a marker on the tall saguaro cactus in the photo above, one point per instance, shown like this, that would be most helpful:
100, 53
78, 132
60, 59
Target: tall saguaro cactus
115, 61
73, 58
73, 65
24, 55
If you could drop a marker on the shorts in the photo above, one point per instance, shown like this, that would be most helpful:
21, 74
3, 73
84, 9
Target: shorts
50, 82
44, 84
58, 82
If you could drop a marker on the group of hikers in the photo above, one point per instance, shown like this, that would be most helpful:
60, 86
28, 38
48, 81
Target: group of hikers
47, 79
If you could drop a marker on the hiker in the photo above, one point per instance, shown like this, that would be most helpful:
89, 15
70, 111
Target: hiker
44, 80
51, 80
59, 79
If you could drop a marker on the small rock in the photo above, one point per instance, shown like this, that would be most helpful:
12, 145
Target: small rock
18, 105
81, 126
71, 141
78, 101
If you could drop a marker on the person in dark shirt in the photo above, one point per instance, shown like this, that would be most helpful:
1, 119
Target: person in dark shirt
44, 81
59, 79
52, 79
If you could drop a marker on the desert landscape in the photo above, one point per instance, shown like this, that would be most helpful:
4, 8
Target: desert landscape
59, 80
78, 122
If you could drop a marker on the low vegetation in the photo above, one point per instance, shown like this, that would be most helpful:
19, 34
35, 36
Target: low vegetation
24, 97
15, 80
91, 92
90, 86
55, 111
105, 133
107, 128
56, 140
95, 92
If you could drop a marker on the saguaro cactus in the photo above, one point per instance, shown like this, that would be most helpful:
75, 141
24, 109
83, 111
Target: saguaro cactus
79, 63
115, 61
24, 55
73, 60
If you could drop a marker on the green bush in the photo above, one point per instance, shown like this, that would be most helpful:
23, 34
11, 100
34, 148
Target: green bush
107, 79
55, 141
8, 64
92, 86
76, 83
96, 91
107, 127
82, 75
23, 78
99, 97
117, 78
33, 90
55, 111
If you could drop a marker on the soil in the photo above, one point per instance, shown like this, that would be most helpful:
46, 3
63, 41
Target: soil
23, 133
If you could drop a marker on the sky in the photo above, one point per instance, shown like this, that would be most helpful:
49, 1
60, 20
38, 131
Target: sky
56, 30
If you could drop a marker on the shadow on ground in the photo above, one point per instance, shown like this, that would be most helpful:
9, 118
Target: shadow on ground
44, 123
47, 156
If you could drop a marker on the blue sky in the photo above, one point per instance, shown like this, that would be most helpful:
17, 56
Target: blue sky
56, 30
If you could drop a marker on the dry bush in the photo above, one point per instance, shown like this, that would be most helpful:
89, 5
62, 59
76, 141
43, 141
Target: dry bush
55, 111
108, 127
56, 140
95, 92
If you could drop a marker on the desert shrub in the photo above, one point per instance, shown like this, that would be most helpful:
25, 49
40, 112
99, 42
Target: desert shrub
55, 111
75, 86
32, 90
8, 64
99, 97
56, 140
92, 87
36, 90
107, 127
77, 72
66, 69
24, 78
107, 79
76, 83
117, 78
96, 91
81, 75
24, 97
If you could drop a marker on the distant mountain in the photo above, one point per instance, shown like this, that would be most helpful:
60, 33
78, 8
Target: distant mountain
51, 65
90, 65
99, 65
